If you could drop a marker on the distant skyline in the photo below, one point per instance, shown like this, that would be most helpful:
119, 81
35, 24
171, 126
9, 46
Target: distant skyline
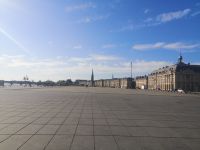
56, 40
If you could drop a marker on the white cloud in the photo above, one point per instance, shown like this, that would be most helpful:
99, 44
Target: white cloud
108, 46
166, 17
8, 6
15, 67
146, 11
78, 47
104, 57
141, 66
130, 27
195, 13
127, 28
179, 45
197, 4
80, 7
163, 45
148, 19
113, 3
148, 46
117, 1
89, 19
156, 20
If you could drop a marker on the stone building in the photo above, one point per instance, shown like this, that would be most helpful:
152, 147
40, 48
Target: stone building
127, 83
115, 83
142, 82
107, 83
1, 82
99, 83
178, 76
81, 82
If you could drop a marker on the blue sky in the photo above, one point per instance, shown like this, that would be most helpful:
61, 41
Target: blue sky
59, 39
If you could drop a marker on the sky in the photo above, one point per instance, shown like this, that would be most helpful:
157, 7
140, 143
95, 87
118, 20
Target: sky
62, 39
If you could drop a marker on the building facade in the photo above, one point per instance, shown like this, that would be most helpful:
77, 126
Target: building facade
99, 83
115, 83
1, 82
178, 76
163, 79
127, 83
142, 82
81, 82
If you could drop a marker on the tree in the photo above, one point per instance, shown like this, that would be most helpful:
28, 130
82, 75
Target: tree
61, 83
49, 83
69, 82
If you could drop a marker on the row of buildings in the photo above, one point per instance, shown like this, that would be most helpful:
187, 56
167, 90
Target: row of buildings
178, 76
169, 78
112, 83
116, 83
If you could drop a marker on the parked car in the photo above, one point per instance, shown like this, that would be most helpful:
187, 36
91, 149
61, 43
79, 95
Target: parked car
180, 91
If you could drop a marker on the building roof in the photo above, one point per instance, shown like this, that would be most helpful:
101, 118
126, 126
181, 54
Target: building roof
141, 77
179, 66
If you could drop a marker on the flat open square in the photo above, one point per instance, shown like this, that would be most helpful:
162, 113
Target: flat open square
79, 118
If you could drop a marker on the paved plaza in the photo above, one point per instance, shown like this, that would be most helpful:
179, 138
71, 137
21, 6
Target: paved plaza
80, 118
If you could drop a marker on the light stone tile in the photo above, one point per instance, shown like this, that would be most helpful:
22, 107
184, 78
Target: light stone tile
37, 142
14, 142
86, 122
102, 130
3, 126
84, 130
86, 116
162, 132
193, 144
30, 129
71, 121
105, 143
188, 133
119, 130
27, 120
67, 129
83, 143
138, 131
12, 120
150, 143
129, 122
100, 122
174, 143
12, 128
3, 137
114, 122
98, 116
64, 115
56, 121
128, 143
152, 118
42, 120
48, 129
60, 142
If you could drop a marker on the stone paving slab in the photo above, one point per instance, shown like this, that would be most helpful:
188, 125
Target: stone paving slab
79, 118
60, 142
14, 142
